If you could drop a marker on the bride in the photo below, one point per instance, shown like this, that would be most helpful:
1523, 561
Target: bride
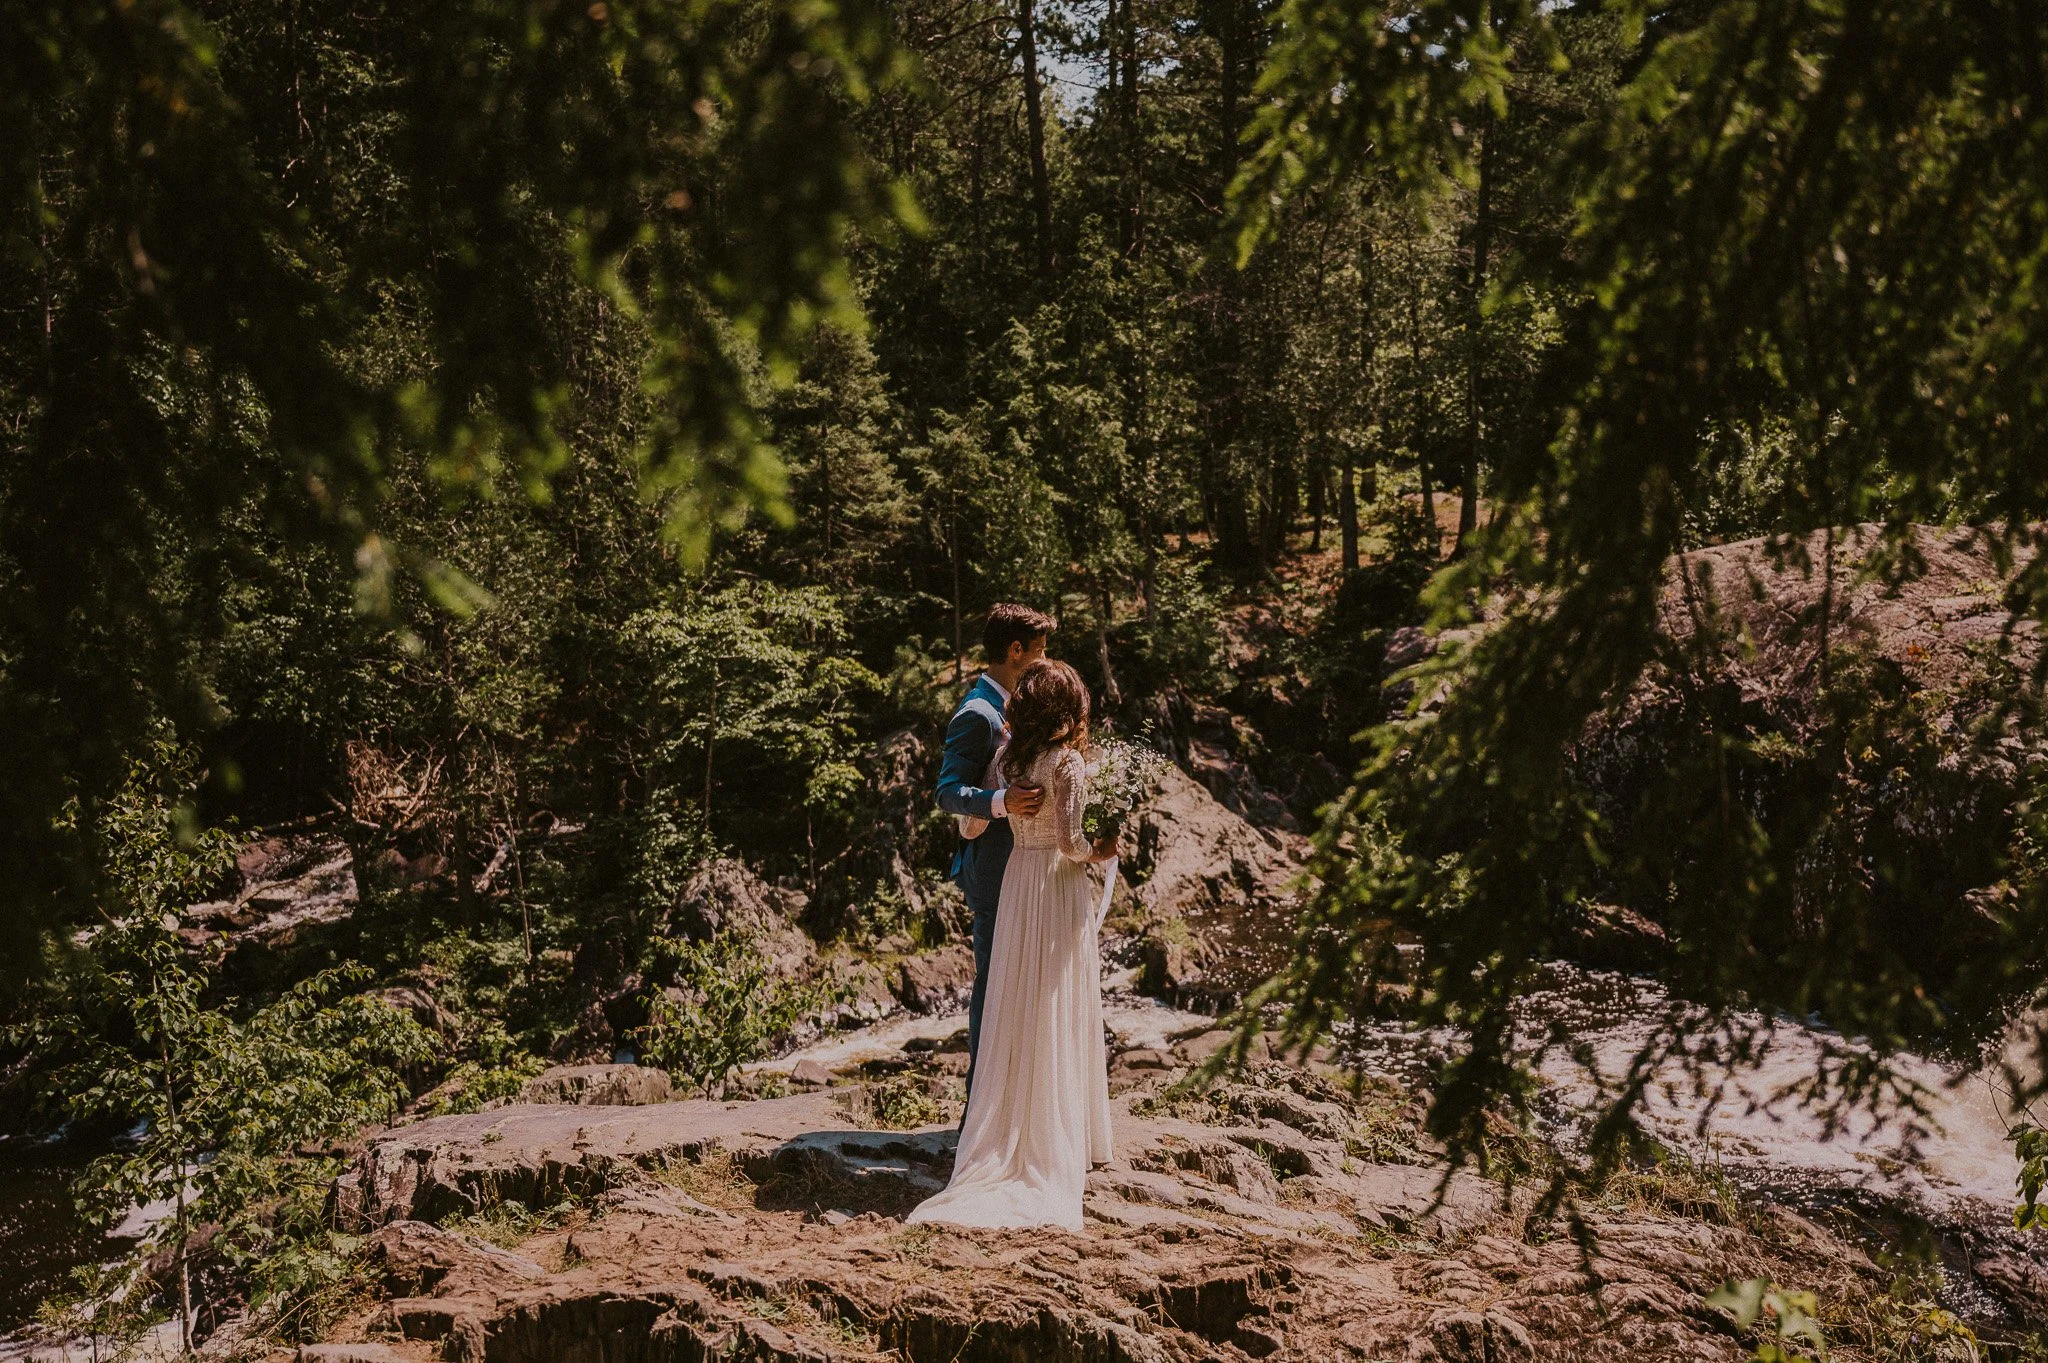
1039, 1112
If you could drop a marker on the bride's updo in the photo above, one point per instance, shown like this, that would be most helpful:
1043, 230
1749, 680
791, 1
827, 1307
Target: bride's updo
1049, 710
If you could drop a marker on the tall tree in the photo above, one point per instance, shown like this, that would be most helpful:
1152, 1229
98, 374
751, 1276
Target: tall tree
248, 269
1034, 128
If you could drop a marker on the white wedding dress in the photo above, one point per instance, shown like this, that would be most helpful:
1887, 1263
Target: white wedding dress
1039, 1113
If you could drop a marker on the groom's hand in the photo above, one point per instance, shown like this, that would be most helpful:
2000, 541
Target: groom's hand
1023, 800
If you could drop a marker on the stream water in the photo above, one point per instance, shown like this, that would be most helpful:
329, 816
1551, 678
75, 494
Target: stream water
1952, 1166
1952, 1162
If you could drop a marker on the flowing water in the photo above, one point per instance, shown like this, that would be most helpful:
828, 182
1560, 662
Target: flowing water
1952, 1165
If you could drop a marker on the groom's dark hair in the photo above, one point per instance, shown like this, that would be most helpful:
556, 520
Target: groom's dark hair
1010, 623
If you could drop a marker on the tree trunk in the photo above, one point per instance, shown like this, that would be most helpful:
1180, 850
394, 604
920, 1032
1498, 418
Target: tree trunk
178, 1154
710, 743
1347, 514
1318, 496
825, 498
1131, 232
959, 650
1431, 537
1368, 347
1112, 696
1482, 243
1237, 537
1034, 119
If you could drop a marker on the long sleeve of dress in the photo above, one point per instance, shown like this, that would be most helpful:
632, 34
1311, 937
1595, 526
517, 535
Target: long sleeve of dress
1067, 793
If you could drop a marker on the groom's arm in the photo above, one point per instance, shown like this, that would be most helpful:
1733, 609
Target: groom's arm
969, 746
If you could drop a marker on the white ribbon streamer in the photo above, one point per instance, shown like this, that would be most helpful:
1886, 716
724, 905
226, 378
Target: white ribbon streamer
1108, 889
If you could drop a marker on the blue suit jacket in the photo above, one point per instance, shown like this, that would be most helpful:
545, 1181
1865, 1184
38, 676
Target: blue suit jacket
971, 739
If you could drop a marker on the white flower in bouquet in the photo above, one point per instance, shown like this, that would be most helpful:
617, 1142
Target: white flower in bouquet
1121, 778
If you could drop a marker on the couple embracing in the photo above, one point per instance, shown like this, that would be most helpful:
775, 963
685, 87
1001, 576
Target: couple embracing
1038, 1083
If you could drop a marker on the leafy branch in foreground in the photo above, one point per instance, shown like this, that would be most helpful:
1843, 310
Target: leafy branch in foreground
224, 1104
1784, 1318
523, 225
1821, 217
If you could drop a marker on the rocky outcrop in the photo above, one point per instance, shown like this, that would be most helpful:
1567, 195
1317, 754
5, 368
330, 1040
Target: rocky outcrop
934, 981
289, 886
1768, 608
1880, 724
1208, 891
1195, 855
1246, 1220
604, 1085
724, 895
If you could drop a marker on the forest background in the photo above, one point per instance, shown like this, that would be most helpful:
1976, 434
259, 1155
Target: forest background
527, 582
554, 444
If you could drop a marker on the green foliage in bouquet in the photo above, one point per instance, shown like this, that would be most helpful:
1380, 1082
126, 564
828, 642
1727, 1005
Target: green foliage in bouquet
1121, 778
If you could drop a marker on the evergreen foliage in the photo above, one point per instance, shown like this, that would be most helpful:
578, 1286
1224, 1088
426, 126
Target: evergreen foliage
1810, 233
551, 444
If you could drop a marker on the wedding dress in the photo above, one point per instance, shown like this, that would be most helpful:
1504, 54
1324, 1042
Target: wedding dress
1039, 1113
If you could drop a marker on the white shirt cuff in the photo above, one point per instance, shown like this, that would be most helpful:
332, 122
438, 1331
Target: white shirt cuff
995, 806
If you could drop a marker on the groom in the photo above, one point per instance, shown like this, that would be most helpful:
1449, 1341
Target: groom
1012, 640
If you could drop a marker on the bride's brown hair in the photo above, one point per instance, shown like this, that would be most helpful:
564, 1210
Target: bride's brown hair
1049, 710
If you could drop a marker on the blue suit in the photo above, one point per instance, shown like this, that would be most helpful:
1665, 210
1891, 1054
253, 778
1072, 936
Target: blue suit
971, 739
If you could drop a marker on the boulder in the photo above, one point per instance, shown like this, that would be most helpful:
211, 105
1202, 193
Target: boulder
422, 1007
414, 1257
1616, 938
606, 1085
936, 980
1935, 627
1199, 872
724, 894
1169, 964
1195, 854
810, 1074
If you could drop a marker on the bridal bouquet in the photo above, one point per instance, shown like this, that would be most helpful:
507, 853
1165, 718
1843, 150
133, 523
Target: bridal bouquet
1121, 778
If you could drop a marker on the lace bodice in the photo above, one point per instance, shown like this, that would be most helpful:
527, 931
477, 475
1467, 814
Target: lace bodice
1057, 824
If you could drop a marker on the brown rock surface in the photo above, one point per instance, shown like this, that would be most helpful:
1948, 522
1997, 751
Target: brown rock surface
1203, 876
725, 895
936, 980
1195, 854
598, 1085
1929, 626
1237, 1223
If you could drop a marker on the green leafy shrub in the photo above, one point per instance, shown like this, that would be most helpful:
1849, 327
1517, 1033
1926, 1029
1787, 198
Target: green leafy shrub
727, 1007
901, 1103
1181, 637
223, 1101
500, 1070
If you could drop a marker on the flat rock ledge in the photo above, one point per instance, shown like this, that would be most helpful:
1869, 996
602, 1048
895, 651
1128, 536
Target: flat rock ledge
772, 1231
